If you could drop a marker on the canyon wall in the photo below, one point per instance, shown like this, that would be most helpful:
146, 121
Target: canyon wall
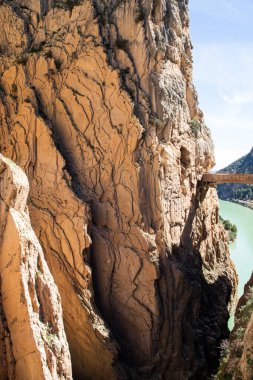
98, 108
33, 341
237, 358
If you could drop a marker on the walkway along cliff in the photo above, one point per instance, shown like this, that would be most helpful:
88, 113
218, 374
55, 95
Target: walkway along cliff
98, 108
227, 178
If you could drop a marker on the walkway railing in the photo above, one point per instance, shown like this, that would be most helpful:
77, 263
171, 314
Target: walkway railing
228, 178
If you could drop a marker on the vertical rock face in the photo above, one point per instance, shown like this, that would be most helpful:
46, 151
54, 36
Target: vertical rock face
33, 341
237, 361
60, 221
97, 106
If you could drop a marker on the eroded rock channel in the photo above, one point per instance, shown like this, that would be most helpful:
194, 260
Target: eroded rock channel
98, 108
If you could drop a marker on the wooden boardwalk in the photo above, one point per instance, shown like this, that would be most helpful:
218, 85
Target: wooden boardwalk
247, 179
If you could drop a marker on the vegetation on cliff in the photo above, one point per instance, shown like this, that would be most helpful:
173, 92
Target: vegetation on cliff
230, 228
237, 352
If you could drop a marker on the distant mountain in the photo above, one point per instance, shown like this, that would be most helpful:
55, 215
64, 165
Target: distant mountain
230, 191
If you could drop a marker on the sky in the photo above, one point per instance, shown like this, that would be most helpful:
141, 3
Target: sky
222, 38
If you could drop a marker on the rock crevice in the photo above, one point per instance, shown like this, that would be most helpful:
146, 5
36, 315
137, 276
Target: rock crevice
98, 107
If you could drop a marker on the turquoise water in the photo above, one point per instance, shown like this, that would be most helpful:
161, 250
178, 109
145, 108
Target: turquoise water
241, 250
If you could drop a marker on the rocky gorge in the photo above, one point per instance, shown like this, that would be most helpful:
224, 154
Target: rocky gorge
115, 265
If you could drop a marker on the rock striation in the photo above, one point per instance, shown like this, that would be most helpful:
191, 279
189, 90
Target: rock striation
33, 341
237, 361
97, 106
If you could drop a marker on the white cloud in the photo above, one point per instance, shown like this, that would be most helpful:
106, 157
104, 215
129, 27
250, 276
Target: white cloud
225, 157
237, 96
217, 8
229, 122
224, 64
224, 80
223, 61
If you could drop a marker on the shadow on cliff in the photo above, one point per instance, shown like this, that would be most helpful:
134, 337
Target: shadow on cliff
193, 311
195, 305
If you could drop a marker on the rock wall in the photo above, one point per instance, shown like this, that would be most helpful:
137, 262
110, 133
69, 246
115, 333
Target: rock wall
33, 341
97, 106
237, 360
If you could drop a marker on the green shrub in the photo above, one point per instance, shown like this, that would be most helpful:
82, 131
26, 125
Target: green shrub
240, 332
230, 228
195, 126
154, 120
249, 361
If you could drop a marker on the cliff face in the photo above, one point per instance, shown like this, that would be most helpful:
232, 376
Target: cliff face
33, 341
98, 108
237, 362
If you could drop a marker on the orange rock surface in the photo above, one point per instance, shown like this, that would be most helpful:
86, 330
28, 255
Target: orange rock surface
33, 340
97, 106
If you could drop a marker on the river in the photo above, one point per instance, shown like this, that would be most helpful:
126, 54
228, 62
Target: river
241, 250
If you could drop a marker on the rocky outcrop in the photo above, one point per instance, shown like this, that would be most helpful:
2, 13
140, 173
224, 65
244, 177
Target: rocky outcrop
33, 342
237, 361
60, 221
97, 106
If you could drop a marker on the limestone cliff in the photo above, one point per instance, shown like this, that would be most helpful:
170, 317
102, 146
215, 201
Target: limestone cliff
237, 361
33, 342
97, 106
